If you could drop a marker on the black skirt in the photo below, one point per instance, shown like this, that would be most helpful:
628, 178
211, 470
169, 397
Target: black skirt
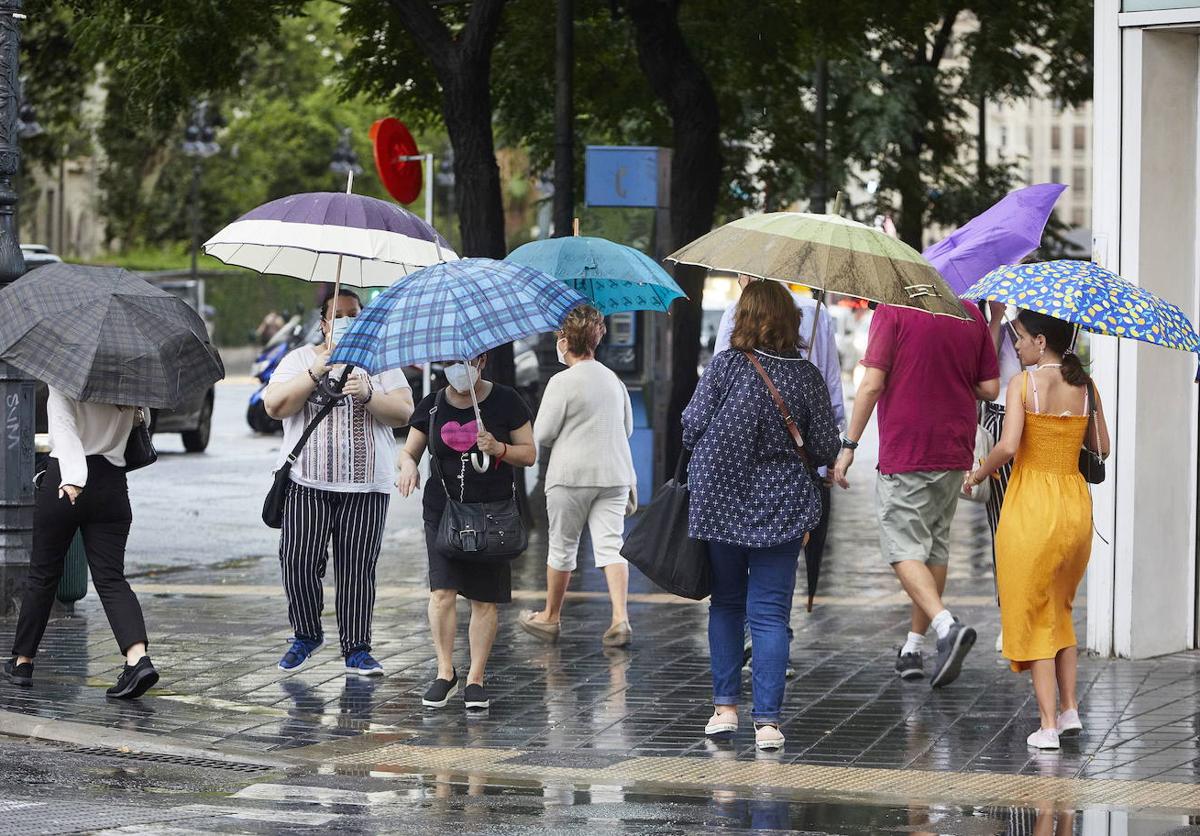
487, 583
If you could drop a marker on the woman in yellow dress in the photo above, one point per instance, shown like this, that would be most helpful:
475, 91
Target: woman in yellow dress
1045, 534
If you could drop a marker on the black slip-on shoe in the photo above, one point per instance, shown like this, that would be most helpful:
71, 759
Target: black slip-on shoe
440, 692
475, 697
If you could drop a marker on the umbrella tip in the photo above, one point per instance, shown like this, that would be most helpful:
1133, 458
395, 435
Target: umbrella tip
575, 227
810, 603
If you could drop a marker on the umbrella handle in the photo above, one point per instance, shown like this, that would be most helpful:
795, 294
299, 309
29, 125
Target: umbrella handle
332, 389
481, 462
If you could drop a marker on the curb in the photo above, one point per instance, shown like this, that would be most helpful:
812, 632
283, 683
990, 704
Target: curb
30, 727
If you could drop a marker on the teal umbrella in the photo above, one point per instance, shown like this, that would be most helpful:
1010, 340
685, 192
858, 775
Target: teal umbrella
611, 276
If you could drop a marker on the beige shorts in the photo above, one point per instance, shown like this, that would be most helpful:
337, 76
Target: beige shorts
601, 509
915, 513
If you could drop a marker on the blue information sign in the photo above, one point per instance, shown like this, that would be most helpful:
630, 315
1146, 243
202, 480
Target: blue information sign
627, 176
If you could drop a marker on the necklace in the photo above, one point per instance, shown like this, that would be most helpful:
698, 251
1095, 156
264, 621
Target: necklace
1049, 366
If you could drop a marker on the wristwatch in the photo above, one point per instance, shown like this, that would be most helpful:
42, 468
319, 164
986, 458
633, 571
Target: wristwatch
848, 444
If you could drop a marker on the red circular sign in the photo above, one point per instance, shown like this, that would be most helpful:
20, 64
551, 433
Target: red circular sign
394, 146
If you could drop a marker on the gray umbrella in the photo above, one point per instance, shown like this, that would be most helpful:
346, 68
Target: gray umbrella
102, 334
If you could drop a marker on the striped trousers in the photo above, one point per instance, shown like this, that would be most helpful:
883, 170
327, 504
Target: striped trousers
354, 522
992, 420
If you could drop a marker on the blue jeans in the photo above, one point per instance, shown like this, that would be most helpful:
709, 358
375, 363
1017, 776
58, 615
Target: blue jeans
751, 586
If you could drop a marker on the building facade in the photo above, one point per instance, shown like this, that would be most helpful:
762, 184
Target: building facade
1142, 581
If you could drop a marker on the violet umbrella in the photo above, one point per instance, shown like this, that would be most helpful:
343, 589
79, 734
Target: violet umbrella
1004, 234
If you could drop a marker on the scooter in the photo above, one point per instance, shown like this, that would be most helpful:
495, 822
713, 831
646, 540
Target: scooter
293, 334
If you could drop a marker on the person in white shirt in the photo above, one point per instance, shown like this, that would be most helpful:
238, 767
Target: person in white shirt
339, 491
820, 349
84, 489
586, 419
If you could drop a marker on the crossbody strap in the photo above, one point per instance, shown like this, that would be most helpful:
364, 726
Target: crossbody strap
318, 418
788, 420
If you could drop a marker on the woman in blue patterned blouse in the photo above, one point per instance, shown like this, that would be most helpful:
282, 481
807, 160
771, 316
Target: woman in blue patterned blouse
754, 498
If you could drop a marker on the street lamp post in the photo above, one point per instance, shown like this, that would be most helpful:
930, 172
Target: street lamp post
344, 161
199, 143
16, 392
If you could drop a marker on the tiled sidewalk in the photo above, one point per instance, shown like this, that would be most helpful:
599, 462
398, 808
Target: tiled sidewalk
217, 638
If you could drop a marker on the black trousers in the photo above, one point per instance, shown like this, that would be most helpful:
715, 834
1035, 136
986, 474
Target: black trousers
354, 522
102, 513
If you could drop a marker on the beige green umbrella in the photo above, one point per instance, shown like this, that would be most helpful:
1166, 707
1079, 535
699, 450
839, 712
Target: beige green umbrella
828, 253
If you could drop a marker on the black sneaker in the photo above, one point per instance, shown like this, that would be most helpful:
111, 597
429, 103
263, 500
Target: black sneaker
475, 697
910, 665
440, 692
134, 680
951, 652
19, 674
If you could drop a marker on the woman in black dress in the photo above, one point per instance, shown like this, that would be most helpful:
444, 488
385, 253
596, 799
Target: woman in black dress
449, 417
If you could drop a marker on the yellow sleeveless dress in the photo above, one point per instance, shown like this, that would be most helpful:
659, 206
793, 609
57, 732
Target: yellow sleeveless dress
1044, 539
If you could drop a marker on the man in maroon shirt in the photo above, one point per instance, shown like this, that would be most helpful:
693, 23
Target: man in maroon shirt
926, 373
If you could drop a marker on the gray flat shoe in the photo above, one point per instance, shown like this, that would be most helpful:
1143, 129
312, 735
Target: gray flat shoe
619, 635
544, 631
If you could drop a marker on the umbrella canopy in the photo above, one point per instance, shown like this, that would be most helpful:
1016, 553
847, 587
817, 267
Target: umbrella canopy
1095, 299
612, 276
306, 235
1004, 234
825, 252
102, 334
454, 311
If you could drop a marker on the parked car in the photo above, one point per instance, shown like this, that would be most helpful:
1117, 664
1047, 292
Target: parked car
37, 255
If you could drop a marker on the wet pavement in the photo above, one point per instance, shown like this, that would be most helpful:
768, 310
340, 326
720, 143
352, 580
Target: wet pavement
578, 737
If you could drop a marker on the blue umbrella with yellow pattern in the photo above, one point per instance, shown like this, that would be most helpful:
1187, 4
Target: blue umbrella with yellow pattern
1090, 297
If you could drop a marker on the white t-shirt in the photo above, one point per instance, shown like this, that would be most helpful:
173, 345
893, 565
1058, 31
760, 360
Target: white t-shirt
349, 451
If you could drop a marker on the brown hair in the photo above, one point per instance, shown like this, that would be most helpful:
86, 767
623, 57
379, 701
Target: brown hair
766, 318
583, 329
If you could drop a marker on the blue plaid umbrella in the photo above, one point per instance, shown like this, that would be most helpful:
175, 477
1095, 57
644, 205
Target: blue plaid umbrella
456, 310
1095, 299
612, 276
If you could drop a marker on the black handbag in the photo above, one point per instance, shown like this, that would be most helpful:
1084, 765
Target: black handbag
1090, 463
139, 448
272, 511
477, 532
659, 544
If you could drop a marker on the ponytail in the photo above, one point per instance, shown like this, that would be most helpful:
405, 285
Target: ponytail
1072, 370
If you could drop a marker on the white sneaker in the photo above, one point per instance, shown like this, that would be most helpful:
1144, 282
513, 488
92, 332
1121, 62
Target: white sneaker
722, 722
768, 738
1043, 739
1069, 724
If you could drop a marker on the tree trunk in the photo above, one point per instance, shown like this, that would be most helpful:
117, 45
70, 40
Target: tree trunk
679, 81
913, 197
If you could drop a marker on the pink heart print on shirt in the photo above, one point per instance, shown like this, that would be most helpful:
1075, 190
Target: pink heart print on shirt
460, 437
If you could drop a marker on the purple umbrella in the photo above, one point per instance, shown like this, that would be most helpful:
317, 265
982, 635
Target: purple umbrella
330, 236
1007, 232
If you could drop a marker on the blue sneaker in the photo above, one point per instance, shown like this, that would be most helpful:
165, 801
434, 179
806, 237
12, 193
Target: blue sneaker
362, 663
299, 653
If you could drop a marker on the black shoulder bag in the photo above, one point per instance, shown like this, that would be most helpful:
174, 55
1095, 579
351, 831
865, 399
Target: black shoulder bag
1090, 464
478, 532
139, 448
272, 512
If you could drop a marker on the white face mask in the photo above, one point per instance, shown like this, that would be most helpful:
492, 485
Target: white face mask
562, 357
461, 376
340, 326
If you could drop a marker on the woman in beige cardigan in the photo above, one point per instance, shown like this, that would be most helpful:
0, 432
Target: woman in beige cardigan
586, 417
